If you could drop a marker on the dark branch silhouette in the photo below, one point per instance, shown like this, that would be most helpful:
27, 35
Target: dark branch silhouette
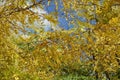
21, 9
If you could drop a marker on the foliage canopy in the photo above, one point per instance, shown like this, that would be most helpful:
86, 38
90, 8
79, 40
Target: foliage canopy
83, 50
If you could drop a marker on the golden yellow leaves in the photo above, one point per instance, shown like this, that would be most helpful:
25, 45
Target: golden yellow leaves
51, 19
54, 51
114, 21
98, 11
46, 76
15, 76
107, 44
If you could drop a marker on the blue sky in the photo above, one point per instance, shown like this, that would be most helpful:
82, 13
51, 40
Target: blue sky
63, 23
61, 15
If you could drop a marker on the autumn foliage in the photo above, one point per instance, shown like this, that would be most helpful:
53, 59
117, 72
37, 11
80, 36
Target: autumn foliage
90, 52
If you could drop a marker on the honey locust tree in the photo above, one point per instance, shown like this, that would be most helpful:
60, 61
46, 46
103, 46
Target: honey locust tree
47, 54
95, 46
103, 39
15, 15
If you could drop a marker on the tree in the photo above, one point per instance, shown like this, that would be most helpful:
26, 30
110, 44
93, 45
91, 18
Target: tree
45, 55
105, 48
13, 14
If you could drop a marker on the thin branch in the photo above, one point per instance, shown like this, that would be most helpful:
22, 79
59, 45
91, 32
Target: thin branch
22, 9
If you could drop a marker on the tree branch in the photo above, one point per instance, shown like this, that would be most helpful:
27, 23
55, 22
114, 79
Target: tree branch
21, 9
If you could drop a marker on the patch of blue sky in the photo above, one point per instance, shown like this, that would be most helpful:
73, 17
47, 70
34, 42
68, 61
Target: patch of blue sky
93, 22
62, 16
51, 7
82, 19
63, 23
38, 0
71, 26
60, 5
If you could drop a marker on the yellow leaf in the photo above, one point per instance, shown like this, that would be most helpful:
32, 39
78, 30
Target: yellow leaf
113, 20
